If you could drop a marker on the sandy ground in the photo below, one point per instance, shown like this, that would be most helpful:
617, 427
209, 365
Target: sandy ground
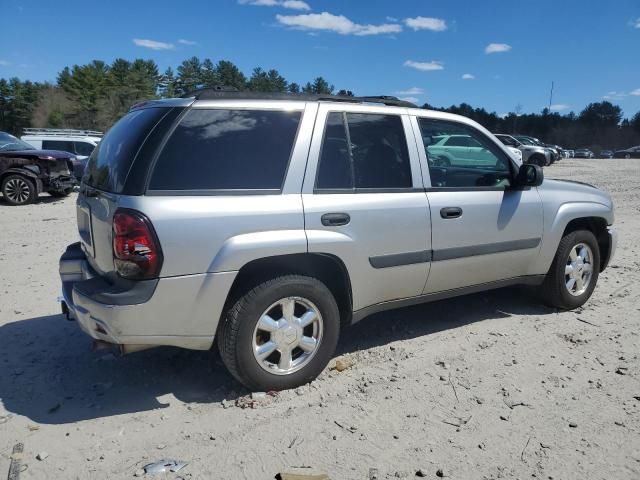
487, 386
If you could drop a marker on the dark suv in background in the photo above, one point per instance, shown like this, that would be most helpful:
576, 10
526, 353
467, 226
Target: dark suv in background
26, 172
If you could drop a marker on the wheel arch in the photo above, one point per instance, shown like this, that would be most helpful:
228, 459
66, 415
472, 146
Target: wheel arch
327, 268
597, 226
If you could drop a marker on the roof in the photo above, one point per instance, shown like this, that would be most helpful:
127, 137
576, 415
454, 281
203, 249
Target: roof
227, 94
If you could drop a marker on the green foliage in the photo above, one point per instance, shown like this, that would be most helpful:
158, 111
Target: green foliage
95, 95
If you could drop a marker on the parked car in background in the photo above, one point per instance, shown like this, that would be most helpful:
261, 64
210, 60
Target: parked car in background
606, 154
633, 152
584, 153
78, 142
530, 153
558, 151
269, 222
540, 155
570, 153
26, 171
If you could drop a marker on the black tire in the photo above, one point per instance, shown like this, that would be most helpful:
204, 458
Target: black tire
18, 190
555, 292
61, 193
236, 333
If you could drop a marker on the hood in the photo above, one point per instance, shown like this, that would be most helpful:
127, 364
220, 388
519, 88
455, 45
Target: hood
41, 154
576, 191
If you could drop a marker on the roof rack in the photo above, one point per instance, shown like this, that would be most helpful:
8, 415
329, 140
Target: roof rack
220, 93
62, 132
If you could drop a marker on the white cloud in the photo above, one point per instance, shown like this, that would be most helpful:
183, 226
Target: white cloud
558, 107
392, 19
291, 4
497, 48
468, 76
153, 44
182, 41
426, 23
424, 66
411, 91
636, 24
635, 93
613, 95
326, 21
410, 99
3, 63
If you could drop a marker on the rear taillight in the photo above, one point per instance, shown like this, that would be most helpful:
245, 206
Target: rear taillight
136, 250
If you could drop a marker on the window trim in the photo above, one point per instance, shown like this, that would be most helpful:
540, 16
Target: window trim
354, 189
221, 191
499, 148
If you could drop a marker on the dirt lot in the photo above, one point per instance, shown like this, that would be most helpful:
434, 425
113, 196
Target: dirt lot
487, 386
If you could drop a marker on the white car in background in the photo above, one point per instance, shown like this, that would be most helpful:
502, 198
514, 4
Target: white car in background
463, 150
79, 142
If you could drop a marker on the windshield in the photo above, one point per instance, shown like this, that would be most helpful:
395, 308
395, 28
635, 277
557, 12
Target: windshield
9, 143
525, 140
507, 140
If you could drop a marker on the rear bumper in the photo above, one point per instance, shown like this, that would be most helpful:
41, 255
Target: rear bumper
178, 311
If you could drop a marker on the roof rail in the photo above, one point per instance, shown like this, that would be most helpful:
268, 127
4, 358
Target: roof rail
221, 93
62, 132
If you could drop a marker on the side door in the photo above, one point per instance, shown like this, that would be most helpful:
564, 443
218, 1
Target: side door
364, 200
483, 230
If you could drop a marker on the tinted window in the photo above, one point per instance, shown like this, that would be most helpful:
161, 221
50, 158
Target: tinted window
227, 150
111, 160
371, 152
83, 148
481, 164
334, 170
63, 145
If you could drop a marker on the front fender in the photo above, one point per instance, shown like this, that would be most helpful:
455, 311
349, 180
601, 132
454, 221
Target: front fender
25, 172
556, 223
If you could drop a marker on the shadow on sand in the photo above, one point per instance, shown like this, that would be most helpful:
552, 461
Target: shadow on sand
50, 374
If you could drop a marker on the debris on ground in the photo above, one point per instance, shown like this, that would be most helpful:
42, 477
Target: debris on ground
342, 364
15, 467
41, 456
302, 473
164, 466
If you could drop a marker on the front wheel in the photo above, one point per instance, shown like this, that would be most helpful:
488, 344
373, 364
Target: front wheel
574, 272
18, 190
281, 334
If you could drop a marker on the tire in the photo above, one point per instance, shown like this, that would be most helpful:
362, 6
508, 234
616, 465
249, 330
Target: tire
557, 288
538, 160
60, 194
239, 336
18, 190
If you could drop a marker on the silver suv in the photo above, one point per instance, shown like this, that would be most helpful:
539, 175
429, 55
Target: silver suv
269, 222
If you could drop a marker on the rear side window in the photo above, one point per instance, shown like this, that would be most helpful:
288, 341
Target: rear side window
63, 145
363, 151
111, 160
216, 149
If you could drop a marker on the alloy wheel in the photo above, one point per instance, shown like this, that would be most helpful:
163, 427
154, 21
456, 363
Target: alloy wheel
287, 335
17, 190
579, 269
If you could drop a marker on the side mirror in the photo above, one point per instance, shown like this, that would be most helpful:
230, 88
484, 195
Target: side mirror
529, 175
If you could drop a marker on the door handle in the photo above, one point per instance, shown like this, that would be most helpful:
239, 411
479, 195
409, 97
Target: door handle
450, 212
335, 219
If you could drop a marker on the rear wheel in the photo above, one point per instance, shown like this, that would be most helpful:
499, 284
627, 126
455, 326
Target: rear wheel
18, 190
574, 272
281, 334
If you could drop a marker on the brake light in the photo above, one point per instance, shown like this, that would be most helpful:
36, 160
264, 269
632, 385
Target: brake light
136, 250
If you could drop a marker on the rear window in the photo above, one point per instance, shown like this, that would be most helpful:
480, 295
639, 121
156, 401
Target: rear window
111, 160
219, 149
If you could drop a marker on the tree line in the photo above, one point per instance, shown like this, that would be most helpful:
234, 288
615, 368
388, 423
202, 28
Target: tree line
95, 95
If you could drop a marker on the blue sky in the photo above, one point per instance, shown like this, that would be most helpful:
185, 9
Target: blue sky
508, 51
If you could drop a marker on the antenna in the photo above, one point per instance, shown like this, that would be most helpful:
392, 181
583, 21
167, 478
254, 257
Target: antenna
551, 96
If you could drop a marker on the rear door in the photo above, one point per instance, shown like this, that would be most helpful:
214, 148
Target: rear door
364, 201
483, 230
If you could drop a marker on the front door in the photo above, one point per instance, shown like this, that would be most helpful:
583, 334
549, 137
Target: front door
482, 229
364, 201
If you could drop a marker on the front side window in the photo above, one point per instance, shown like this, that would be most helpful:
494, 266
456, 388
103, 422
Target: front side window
363, 151
83, 148
216, 149
479, 163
